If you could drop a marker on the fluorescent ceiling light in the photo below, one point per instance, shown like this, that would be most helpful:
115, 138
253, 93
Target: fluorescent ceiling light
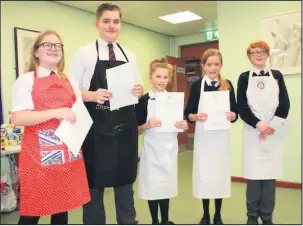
180, 17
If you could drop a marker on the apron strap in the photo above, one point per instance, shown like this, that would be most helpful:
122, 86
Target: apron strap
122, 52
97, 50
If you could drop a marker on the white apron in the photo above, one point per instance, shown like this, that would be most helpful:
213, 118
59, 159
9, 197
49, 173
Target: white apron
263, 99
211, 164
158, 175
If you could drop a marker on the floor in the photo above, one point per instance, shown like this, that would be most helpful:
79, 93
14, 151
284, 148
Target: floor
185, 209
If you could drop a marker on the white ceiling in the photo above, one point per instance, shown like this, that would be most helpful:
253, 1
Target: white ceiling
145, 14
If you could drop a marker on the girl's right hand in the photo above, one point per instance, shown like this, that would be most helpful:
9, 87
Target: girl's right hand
264, 127
201, 117
66, 114
151, 123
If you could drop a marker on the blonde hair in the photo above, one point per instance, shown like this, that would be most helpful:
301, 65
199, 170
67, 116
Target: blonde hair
34, 61
160, 63
214, 52
257, 44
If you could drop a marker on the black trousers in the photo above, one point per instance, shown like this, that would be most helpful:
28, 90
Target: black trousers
57, 219
94, 211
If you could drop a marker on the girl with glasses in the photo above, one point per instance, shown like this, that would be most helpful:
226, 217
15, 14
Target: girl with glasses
52, 179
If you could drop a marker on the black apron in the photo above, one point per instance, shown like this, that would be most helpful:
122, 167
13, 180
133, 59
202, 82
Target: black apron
111, 147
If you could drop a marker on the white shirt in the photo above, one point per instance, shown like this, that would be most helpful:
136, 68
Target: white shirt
257, 71
208, 81
22, 91
84, 61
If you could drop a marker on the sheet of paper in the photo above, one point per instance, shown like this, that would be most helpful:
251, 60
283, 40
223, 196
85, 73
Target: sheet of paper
216, 120
215, 105
276, 141
169, 110
120, 81
73, 135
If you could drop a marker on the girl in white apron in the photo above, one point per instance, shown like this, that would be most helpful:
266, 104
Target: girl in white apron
211, 164
261, 96
158, 162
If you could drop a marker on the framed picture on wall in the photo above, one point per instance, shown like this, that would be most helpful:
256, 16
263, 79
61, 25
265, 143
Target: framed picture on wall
24, 39
283, 34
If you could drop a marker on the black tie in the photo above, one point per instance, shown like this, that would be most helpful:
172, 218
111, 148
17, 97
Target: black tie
52, 73
111, 52
213, 83
261, 74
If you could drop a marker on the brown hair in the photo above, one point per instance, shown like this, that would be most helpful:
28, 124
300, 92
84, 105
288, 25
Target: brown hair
214, 52
107, 7
257, 44
34, 61
160, 63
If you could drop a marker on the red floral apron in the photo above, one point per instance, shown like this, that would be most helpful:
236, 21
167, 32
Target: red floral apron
52, 179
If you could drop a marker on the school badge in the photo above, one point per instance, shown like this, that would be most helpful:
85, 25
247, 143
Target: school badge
261, 85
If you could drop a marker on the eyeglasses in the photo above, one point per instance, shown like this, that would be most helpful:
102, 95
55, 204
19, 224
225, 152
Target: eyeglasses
255, 53
48, 46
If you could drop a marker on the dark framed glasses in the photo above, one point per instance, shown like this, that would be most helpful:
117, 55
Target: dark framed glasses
255, 53
49, 46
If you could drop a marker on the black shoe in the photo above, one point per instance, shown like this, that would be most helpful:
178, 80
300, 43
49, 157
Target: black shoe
167, 222
267, 222
155, 222
252, 220
218, 220
205, 220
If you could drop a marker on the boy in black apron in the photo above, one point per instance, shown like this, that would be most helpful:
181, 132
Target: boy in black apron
111, 147
261, 95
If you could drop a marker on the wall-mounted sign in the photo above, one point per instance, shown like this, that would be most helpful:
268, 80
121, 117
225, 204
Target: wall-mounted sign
211, 35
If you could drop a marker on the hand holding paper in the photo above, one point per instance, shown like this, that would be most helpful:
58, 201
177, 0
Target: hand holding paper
182, 125
74, 134
153, 123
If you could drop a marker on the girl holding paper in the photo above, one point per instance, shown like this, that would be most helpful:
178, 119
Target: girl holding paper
211, 163
158, 163
52, 180
261, 95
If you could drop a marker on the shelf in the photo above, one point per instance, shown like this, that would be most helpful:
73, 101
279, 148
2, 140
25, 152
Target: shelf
11, 150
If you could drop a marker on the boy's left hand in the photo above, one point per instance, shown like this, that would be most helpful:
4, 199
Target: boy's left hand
137, 90
231, 116
182, 125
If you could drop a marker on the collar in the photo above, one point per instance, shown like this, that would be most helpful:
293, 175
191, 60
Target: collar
257, 71
208, 81
103, 44
152, 94
43, 72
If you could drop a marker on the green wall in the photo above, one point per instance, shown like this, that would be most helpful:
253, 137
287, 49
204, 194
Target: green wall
76, 27
239, 24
